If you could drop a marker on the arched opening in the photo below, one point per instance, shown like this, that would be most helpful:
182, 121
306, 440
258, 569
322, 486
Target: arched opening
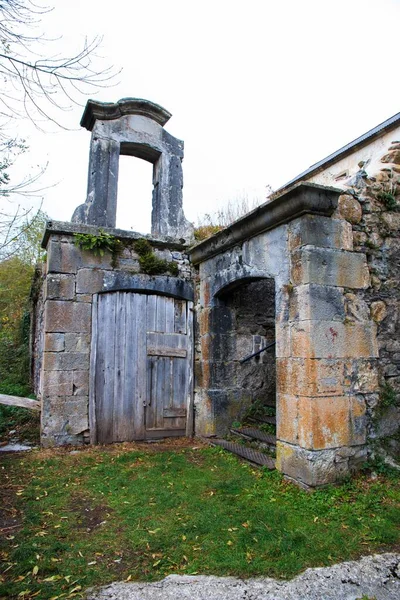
135, 189
242, 351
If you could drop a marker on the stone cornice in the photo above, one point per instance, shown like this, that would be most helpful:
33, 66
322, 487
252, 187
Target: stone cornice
108, 111
304, 198
69, 229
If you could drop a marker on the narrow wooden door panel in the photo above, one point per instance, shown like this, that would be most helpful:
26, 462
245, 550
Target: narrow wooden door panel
141, 366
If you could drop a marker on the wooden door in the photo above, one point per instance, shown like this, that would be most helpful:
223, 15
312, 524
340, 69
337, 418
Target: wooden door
141, 367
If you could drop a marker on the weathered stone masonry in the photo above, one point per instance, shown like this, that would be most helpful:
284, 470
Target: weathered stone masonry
323, 356
315, 270
73, 277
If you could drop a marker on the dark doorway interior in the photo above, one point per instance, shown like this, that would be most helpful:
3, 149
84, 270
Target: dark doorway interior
243, 323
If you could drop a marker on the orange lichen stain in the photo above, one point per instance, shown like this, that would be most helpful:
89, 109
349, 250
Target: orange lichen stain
206, 373
287, 418
324, 422
204, 321
205, 293
205, 347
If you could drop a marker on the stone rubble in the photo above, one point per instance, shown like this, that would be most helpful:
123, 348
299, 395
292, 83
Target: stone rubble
372, 577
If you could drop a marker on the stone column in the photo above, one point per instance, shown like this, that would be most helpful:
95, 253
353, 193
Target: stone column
326, 344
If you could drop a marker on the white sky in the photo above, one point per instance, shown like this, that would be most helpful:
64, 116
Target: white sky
259, 91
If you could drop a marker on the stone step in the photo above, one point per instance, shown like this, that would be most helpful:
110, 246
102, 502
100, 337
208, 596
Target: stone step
256, 434
253, 456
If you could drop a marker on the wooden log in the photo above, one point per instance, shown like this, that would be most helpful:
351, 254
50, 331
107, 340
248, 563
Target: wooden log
17, 401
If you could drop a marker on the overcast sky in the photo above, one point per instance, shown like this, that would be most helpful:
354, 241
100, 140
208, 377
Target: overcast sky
259, 90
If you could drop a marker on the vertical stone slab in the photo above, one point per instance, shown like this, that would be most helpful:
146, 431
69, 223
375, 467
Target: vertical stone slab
101, 203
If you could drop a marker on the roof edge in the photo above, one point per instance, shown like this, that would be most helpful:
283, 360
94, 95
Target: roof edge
331, 159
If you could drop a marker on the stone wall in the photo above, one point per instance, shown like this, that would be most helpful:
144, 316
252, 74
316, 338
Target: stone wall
371, 204
73, 276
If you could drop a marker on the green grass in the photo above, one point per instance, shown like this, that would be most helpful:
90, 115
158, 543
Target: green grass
104, 515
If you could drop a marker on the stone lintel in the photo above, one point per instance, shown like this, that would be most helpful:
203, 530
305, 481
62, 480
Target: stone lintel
305, 198
108, 111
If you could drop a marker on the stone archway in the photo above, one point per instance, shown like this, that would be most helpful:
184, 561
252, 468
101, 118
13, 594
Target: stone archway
321, 350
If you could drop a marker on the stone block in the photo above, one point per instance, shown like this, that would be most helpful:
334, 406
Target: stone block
391, 220
349, 209
310, 468
221, 320
63, 419
378, 311
325, 266
60, 286
322, 232
54, 342
67, 316
287, 413
62, 257
324, 339
317, 303
84, 298
310, 377
389, 420
77, 342
89, 281
324, 422
223, 374
65, 361
80, 383
57, 383
223, 347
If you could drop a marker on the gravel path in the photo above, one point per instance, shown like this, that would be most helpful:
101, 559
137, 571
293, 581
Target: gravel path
374, 577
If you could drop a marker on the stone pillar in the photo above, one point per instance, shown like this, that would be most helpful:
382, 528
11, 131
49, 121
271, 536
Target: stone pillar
64, 387
100, 207
325, 351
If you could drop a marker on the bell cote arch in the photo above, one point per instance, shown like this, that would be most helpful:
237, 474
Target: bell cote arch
133, 127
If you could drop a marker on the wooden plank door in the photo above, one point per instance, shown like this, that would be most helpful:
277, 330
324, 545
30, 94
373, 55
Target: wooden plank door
169, 358
141, 367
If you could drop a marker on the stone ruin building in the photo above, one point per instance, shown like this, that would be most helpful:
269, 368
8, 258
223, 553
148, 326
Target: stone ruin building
158, 336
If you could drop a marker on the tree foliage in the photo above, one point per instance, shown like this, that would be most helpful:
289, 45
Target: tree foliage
17, 269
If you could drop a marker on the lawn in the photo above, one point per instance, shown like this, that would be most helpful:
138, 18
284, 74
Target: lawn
71, 520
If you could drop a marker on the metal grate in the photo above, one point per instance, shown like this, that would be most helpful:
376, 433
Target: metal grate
256, 434
248, 453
